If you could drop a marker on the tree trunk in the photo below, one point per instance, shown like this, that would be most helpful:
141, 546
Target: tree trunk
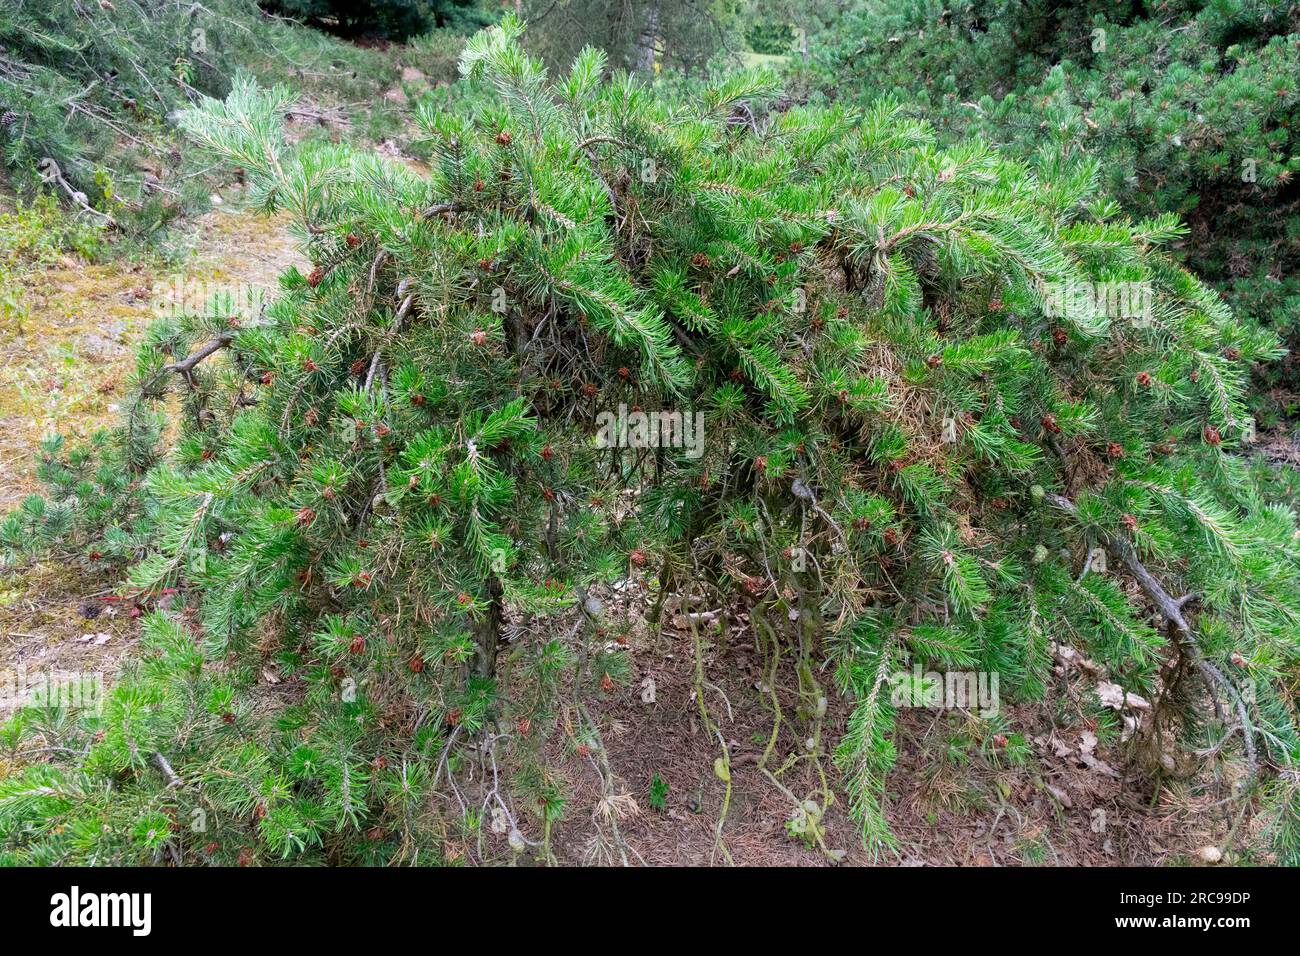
487, 632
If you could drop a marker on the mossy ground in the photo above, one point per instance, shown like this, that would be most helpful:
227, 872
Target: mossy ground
66, 349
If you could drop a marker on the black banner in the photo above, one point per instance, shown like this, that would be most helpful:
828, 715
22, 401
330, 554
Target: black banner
333, 906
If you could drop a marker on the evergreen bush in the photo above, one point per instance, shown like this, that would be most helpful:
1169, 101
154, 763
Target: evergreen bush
377, 551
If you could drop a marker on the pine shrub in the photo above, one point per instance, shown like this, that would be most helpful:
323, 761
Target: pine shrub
387, 534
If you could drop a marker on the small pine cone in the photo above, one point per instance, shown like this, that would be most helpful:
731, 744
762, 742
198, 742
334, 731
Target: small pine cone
624, 373
1049, 423
358, 644
316, 276
1143, 379
700, 260
305, 516
1060, 336
478, 337
1212, 435
1115, 450
638, 558
353, 240
503, 138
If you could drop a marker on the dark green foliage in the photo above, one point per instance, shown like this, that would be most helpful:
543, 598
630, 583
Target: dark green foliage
678, 36
391, 527
1189, 107
383, 19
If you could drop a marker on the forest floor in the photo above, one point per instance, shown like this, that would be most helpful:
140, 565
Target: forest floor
1066, 799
